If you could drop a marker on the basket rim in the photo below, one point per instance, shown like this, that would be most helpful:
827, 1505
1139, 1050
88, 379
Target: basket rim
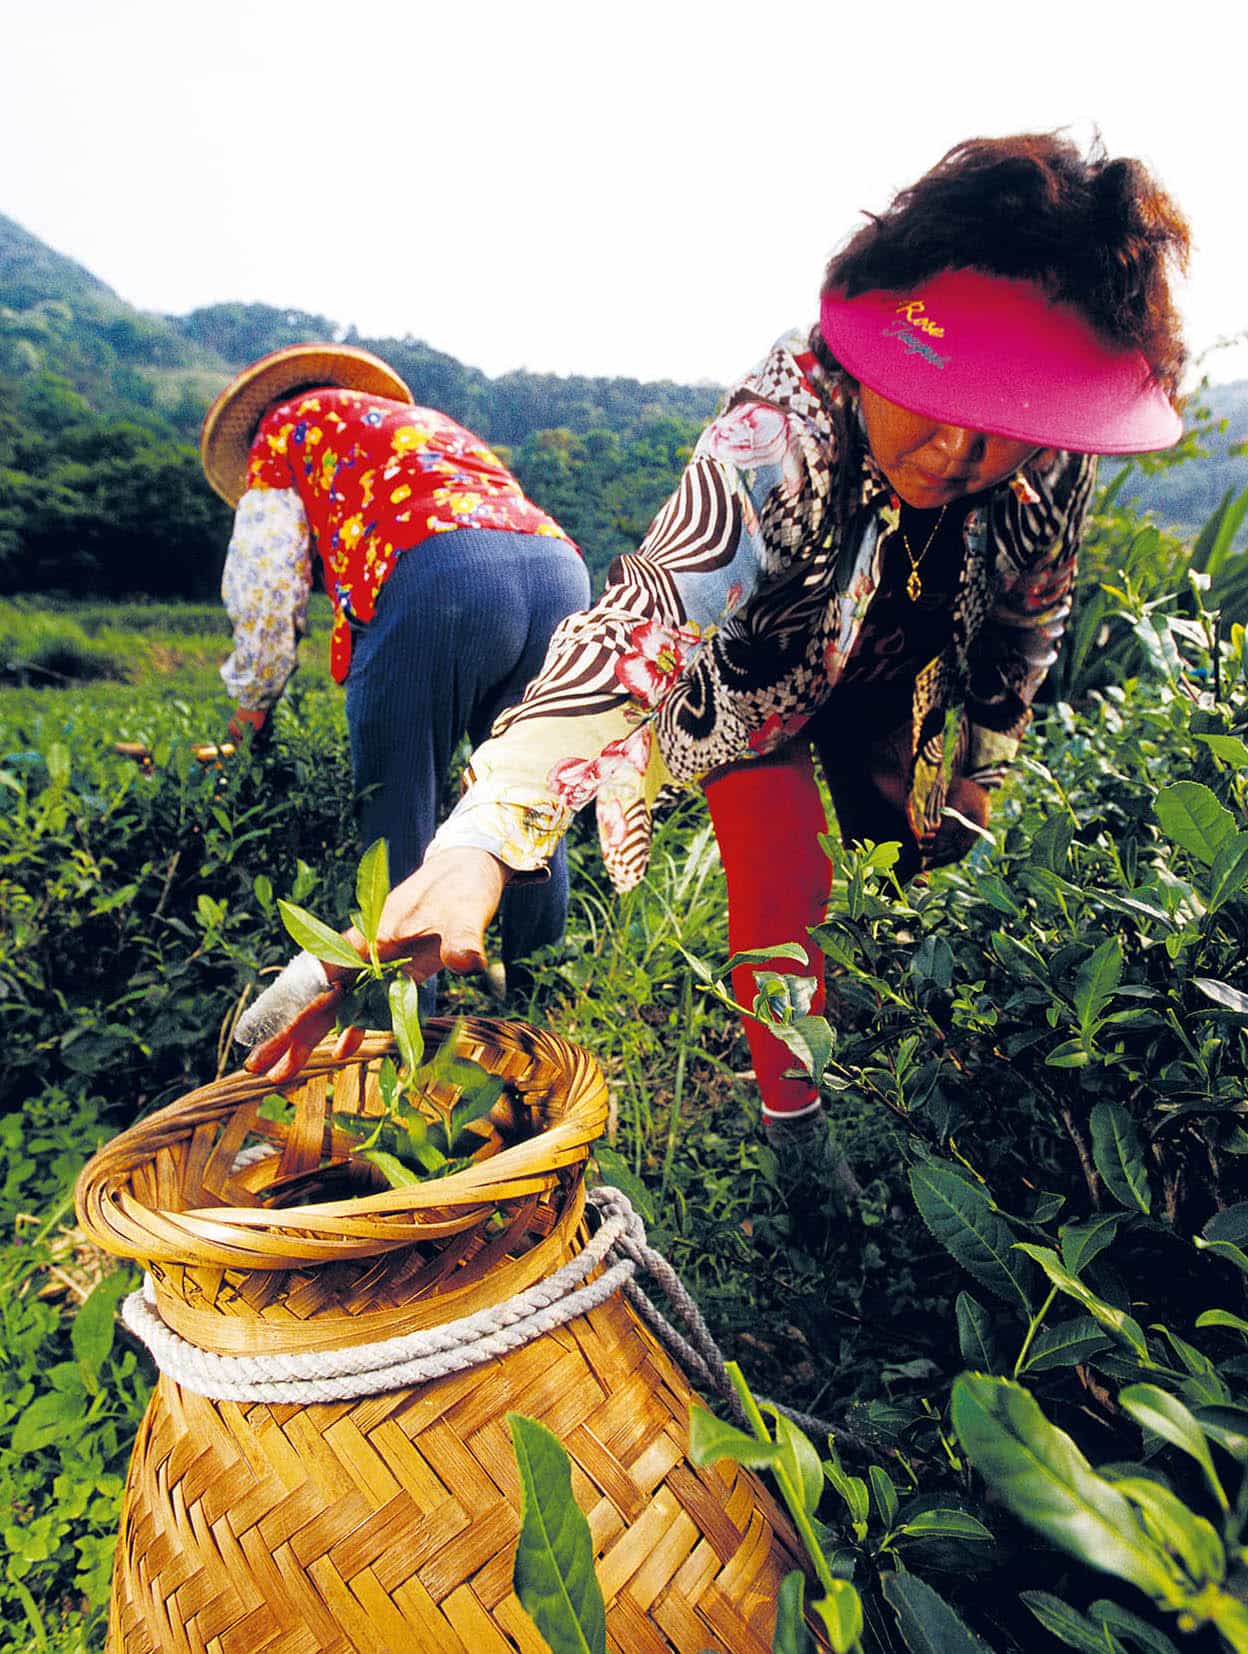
114, 1217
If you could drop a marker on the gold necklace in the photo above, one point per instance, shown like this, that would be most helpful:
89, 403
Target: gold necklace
914, 582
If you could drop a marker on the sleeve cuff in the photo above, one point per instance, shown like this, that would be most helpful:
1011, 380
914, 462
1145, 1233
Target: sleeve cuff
522, 834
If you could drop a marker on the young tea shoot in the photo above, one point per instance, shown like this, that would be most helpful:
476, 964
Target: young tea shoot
417, 1136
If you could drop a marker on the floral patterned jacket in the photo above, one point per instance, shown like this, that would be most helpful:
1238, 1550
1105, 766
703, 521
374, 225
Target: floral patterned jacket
365, 479
731, 625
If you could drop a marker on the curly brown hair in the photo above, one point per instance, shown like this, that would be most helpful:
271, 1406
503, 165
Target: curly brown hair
1095, 233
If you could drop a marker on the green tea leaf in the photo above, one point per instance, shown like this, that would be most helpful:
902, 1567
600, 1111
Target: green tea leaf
811, 1041
1228, 1426
841, 1612
1065, 1622
1222, 1318
1038, 1471
1221, 993
1118, 1155
57, 760
1066, 1345
932, 961
1229, 748
388, 1082
711, 1439
1230, 1224
372, 886
1224, 1249
403, 996
1197, 1363
790, 1635
1132, 906
998, 896
1170, 1524
317, 938
1098, 980
96, 1321
927, 1623
945, 1524
1019, 959
364, 1005
1229, 871
1167, 1417
853, 1490
799, 1459
1141, 1634
977, 1342
962, 1220
1081, 1243
1047, 1205
554, 1571
1071, 1053
1117, 1321
885, 1494
1226, 1233
473, 1105
764, 956
1191, 817
1051, 844
396, 1174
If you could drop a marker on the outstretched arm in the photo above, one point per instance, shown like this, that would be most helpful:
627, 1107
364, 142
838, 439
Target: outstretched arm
435, 917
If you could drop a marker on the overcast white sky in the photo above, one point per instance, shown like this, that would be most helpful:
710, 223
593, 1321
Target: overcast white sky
642, 188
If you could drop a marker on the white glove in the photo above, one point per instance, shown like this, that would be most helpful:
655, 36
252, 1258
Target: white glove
302, 981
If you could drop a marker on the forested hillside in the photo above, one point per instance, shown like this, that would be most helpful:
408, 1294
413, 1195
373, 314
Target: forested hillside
100, 405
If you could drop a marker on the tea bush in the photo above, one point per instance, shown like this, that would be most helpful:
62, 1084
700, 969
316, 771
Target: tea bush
45, 648
1042, 1048
1056, 1030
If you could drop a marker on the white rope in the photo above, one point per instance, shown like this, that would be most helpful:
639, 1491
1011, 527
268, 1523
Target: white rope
436, 1352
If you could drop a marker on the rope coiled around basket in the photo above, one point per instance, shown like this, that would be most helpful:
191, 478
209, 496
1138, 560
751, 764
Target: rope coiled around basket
619, 1246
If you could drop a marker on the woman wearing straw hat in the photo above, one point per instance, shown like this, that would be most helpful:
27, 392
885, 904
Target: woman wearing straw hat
879, 529
446, 583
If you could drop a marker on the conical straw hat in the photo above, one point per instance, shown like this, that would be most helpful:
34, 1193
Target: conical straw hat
230, 423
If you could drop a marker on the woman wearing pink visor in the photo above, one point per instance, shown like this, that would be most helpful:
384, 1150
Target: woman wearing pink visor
880, 527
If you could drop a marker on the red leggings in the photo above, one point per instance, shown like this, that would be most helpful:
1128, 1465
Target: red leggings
768, 816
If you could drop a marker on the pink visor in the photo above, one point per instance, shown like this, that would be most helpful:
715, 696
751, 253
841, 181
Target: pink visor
994, 355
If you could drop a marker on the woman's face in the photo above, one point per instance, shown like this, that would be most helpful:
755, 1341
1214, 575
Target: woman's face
929, 464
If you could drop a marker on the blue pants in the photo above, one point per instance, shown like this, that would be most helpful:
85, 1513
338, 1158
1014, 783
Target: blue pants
462, 624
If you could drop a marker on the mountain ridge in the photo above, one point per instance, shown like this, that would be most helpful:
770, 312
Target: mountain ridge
94, 391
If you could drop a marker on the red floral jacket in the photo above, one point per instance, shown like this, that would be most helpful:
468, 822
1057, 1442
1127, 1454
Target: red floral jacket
374, 478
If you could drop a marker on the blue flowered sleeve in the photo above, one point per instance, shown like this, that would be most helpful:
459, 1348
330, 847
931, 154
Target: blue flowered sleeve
265, 586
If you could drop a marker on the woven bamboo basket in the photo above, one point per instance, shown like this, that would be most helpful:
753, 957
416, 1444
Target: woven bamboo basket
389, 1523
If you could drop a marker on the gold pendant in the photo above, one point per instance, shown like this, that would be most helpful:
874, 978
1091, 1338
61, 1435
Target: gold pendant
914, 586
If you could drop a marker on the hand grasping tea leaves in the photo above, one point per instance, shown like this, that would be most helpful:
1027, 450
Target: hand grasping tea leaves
417, 1136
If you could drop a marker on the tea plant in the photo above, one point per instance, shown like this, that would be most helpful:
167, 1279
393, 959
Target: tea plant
404, 1143
1089, 924
71, 1390
1056, 1033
